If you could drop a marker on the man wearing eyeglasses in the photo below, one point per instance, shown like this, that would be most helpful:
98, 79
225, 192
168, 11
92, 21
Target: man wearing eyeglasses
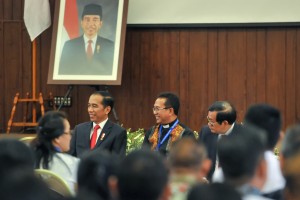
221, 122
168, 128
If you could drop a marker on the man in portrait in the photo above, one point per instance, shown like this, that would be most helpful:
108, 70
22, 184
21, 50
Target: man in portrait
89, 54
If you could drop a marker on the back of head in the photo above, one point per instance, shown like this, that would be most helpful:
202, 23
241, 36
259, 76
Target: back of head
14, 155
94, 170
187, 153
142, 175
225, 111
240, 154
23, 185
172, 101
290, 148
267, 118
50, 126
214, 191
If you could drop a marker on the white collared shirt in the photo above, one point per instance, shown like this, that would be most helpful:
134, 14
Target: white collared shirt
86, 42
227, 132
101, 124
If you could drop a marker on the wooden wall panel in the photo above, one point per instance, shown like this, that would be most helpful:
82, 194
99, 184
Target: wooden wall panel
290, 81
221, 74
212, 69
251, 67
236, 73
12, 67
261, 53
297, 85
201, 65
197, 76
275, 78
184, 74
2, 98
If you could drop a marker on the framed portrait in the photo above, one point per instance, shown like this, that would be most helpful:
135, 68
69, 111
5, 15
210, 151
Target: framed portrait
88, 42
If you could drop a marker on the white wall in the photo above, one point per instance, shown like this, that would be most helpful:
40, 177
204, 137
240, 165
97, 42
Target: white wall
212, 11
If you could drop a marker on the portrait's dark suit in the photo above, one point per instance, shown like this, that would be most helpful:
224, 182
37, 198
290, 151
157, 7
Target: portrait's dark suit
210, 141
74, 60
112, 138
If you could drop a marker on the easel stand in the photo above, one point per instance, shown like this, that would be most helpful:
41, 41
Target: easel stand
28, 100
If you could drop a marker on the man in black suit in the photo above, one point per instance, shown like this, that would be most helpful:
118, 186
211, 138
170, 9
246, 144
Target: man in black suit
88, 54
100, 132
168, 128
221, 122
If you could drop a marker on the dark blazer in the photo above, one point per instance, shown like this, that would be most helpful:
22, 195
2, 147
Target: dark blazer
114, 141
74, 60
210, 140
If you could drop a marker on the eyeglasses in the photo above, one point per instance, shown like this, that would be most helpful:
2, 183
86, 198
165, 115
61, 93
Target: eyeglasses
157, 109
210, 122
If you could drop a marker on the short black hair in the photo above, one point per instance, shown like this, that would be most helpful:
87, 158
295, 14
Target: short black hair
94, 170
240, 154
13, 155
225, 111
214, 191
142, 175
108, 100
92, 9
23, 184
172, 101
268, 118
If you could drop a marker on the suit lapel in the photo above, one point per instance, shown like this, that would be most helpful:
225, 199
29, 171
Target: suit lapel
105, 132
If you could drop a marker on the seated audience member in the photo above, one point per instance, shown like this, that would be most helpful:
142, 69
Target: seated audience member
243, 163
53, 140
268, 119
17, 178
290, 145
214, 191
14, 155
142, 175
22, 184
221, 122
189, 165
94, 170
168, 128
290, 162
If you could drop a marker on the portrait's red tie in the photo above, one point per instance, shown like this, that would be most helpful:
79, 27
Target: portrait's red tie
89, 50
94, 137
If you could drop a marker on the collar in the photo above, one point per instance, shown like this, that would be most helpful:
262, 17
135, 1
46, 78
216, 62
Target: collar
229, 130
101, 124
94, 39
169, 124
